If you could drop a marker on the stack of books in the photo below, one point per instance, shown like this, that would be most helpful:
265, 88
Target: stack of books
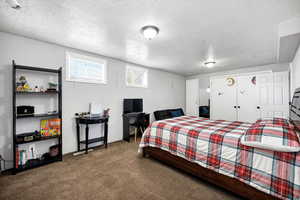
22, 156
50, 127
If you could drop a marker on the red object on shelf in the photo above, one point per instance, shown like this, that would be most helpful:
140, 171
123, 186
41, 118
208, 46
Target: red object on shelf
17, 158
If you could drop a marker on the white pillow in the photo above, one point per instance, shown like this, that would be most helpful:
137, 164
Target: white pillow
272, 137
269, 145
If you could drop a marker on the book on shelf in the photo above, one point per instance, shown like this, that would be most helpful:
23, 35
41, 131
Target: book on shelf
50, 127
17, 158
21, 158
24, 155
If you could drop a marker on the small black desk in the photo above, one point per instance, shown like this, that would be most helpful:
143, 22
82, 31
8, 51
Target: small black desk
91, 120
126, 125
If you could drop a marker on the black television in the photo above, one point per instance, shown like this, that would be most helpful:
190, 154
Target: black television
132, 105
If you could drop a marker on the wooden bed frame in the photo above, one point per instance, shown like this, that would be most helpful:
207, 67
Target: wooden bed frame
211, 176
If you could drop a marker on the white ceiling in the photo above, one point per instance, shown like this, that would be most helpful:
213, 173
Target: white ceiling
237, 33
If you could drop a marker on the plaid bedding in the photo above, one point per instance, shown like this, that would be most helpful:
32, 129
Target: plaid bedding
216, 145
274, 121
273, 135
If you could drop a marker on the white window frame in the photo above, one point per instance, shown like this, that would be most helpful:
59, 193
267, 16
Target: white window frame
136, 85
69, 55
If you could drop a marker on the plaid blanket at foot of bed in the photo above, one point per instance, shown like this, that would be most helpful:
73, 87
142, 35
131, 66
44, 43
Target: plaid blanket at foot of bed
216, 145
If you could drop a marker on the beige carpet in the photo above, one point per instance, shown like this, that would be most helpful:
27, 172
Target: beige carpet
108, 174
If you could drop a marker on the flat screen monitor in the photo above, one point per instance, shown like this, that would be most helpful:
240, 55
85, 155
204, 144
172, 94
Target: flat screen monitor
132, 105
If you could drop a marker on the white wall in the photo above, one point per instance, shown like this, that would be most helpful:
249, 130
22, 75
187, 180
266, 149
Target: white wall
204, 78
273, 67
295, 72
166, 90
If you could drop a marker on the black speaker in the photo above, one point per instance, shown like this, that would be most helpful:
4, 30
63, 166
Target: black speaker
25, 110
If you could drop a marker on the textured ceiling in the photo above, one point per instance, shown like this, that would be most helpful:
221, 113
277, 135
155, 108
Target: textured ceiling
236, 33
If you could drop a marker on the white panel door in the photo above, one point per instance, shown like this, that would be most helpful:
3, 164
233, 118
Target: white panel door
223, 100
281, 94
266, 94
192, 97
247, 99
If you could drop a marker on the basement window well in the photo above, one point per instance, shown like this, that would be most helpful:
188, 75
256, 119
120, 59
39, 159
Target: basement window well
81, 68
136, 77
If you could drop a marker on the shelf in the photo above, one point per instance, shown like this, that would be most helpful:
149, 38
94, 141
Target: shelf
56, 72
42, 163
37, 69
40, 139
38, 115
94, 140
47, 92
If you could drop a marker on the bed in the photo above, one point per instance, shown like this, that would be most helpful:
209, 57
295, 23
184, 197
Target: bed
212, 150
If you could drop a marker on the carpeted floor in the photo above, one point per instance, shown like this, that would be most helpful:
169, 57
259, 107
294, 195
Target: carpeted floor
108, 174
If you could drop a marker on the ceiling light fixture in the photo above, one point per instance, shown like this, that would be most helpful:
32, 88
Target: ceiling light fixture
210, 64
13, 4
150, 32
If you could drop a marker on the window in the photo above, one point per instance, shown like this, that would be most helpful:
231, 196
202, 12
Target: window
136, 77
88, 69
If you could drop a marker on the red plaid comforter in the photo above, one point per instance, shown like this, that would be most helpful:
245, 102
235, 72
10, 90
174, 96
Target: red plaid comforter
216, 145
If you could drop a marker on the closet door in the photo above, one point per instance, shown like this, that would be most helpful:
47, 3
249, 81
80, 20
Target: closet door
281, 94
247, 99
266, 95
223, 100
192, 97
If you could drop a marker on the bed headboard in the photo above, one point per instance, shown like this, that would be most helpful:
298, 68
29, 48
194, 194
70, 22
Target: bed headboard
295, 110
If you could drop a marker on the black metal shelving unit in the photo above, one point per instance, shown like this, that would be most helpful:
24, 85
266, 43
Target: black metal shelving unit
37, 93
37, 115
16, 117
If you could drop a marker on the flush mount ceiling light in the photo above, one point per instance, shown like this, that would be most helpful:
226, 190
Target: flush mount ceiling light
13, 4
210, 64
149, 32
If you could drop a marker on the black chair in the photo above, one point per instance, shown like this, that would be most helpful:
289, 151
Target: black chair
204, 111
139, 122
